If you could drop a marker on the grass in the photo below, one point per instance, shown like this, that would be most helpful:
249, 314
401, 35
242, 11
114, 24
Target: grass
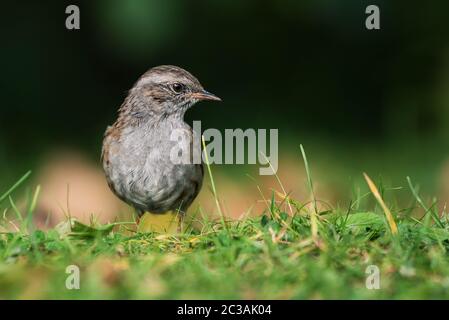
292, 251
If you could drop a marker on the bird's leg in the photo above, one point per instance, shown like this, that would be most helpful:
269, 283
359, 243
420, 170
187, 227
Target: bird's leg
180, 221
139, 216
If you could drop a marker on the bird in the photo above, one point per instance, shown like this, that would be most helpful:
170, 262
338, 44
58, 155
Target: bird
137, 149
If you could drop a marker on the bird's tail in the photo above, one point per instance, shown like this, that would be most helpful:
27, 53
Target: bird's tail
167, 223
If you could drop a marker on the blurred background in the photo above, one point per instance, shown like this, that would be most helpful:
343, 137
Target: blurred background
358, 100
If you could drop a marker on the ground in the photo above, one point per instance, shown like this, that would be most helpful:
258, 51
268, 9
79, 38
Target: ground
272, 257
292, 251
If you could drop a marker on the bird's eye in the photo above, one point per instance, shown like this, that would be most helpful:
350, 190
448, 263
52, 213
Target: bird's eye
177, 87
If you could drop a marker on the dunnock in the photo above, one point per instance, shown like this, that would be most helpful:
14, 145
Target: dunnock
136, 152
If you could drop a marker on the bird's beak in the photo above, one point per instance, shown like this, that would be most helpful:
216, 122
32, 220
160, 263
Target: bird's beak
204, 95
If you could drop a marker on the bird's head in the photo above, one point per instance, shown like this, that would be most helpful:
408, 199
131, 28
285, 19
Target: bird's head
169, 90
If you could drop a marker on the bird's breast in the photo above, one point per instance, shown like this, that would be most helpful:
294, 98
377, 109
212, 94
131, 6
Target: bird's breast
148, 169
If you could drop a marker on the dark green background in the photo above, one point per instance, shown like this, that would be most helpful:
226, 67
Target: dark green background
375, 100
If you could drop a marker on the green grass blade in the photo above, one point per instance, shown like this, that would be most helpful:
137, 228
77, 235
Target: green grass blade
214, 190
421, 203
15, 186
313, 216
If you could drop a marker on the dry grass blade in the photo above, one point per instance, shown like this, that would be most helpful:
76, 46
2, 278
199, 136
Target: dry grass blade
314, 214
279, 181
375, 191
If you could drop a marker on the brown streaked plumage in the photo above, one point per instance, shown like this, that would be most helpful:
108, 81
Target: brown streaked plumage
137, 152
